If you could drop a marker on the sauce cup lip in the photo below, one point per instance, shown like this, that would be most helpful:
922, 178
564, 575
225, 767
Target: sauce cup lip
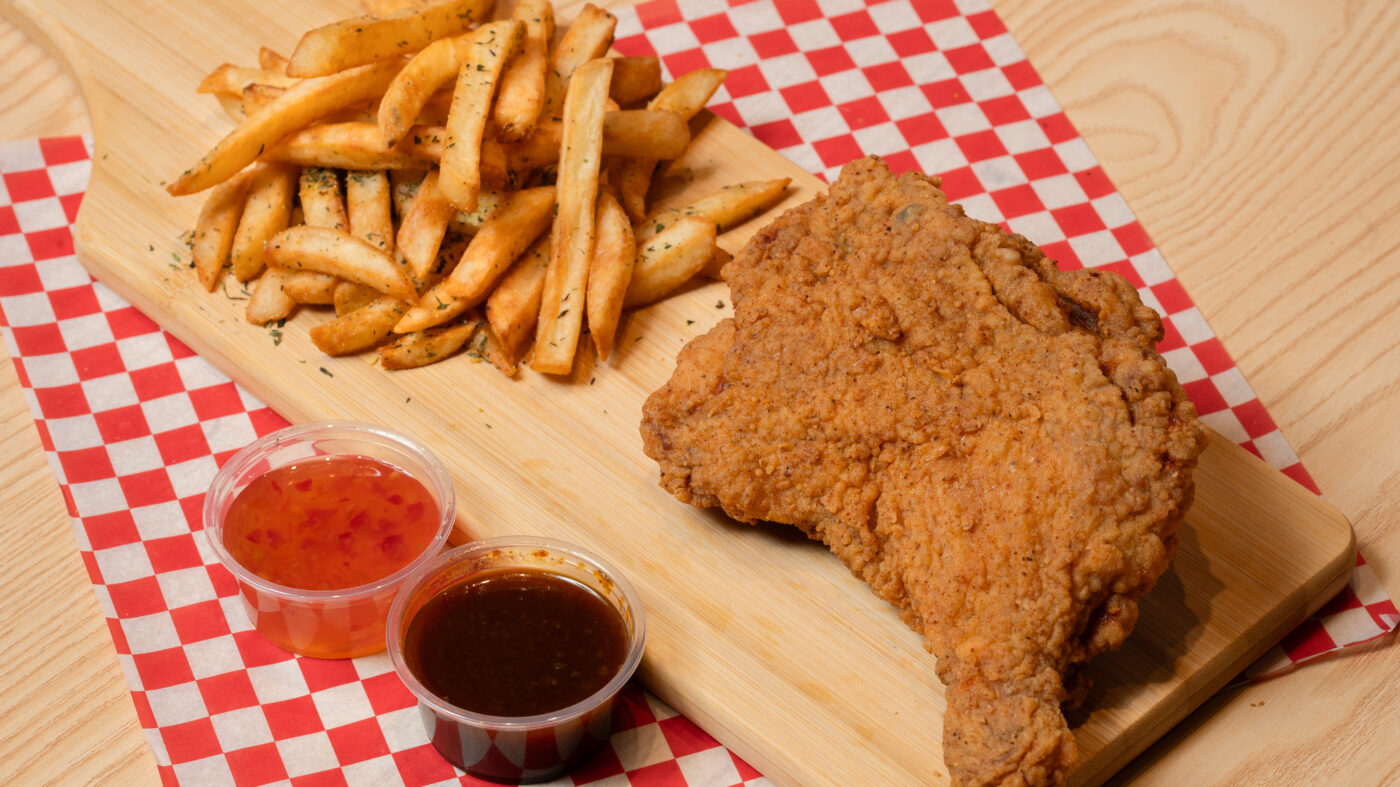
439, 481
396, 629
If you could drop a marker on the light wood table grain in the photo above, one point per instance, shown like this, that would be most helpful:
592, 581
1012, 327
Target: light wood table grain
1258, 144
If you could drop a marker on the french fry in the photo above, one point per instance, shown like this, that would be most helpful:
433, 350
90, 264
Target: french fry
308, 101
369, 208
272, 60
257, 97
726, 208
635, 79
521, 94
671, 258
627, 133
487, 254
233, 107
349, 146
321, 206
421, 231
487, 203
265, 213
230, 80
321, 203
355, 42
513, 307
427, 72
685, 96
503, 237
339, 254
484, 346
311, 288
609, 272
215, 228
350, 295
359, 329
421, 348
405, 184
587, 38
268, 303
437, 306
492, 46
561, 307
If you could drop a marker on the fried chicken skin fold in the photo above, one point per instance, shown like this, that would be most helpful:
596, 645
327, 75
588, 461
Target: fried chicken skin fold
993, 444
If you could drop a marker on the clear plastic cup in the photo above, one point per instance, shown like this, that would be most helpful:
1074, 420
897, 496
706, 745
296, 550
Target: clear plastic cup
328, 624
521, 749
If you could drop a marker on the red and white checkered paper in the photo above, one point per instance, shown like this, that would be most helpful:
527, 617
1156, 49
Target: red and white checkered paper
135, 425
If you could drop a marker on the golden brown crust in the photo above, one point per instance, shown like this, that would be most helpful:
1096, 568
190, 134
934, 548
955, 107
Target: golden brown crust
990, 442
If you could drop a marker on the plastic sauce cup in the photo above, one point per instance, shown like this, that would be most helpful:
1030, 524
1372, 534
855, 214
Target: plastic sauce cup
340, 623
519, 749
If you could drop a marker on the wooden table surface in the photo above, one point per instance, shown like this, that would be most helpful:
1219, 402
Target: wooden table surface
1258, 143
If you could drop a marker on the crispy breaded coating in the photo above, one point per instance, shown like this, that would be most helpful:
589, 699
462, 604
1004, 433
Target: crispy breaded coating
993, 444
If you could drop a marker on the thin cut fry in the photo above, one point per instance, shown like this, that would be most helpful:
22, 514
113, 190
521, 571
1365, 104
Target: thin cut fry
492, 46
340, 254
405, 185
628, 133
354, 42
522, 85
351, 146
359, 329
272, 60
426, 72
726, 208
513, 308
230, 80
266, 212
424, 347
268, 302
369, 208
490, 252
311, 287
609, 273
350, 295
484, 346
321, 203
421, 232
635, 79
214, 229
504, 236
588, 38
686, 96
670, 259
257, 97
308, 101
561, 305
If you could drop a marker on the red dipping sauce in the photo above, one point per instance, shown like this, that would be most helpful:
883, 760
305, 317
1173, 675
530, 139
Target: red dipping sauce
320, 524
330, 523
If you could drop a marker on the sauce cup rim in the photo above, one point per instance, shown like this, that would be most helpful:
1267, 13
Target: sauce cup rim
439, 482
395, 629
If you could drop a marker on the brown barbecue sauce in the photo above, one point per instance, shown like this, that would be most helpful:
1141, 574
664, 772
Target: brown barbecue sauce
515, 642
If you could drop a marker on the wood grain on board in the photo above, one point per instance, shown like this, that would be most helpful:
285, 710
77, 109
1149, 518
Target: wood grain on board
763, 639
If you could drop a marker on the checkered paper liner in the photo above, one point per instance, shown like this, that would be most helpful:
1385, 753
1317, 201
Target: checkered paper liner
135, 425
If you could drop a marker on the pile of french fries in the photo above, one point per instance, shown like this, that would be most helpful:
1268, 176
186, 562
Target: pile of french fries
449, 182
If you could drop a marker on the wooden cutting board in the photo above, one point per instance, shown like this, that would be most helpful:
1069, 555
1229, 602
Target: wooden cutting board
761, 637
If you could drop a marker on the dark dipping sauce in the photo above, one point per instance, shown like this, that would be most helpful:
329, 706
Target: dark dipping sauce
515, 643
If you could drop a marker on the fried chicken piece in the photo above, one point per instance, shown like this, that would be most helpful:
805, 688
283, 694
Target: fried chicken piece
991, 443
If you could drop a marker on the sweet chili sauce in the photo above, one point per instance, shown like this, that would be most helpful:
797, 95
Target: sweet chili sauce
515, 642
330, 523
